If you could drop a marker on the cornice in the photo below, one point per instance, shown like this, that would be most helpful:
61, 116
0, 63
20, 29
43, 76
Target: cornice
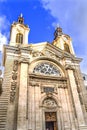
47, 77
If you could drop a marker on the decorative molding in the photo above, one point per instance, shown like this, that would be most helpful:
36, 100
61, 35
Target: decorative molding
24, 60
48, 89
37, 54
50, 116
64, 86
70, 67
14, 75
86, 107
15, 66
13, 91
14, 81
49, 103
34, 84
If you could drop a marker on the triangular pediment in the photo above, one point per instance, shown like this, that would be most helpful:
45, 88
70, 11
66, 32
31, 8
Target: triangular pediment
48, 50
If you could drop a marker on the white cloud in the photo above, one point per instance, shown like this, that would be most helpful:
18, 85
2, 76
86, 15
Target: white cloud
3, 40
4, 24
72, 17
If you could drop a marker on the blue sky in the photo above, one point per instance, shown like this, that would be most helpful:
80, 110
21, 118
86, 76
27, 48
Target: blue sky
43, 16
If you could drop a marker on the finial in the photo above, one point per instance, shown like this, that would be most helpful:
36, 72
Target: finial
58, 31
21, 15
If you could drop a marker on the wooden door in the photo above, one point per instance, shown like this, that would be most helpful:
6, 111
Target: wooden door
50, 121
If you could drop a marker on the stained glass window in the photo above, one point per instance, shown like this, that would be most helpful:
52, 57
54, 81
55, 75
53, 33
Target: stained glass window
47, 69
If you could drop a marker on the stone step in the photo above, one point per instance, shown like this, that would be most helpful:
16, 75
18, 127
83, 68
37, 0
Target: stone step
3, 106
3, 116
2, 127
3, 113
3, 102
3, 110
2, 98
2, 122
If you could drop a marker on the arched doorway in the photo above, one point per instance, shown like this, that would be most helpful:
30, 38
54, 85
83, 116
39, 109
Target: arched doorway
50, 114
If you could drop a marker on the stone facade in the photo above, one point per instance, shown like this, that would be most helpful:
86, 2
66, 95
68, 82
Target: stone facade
43, 88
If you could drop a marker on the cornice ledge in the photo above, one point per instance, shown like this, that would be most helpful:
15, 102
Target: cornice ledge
48, 77
76, 59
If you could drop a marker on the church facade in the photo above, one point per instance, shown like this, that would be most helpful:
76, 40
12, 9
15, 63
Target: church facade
42, 88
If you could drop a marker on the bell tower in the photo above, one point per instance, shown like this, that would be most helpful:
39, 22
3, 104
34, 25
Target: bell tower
63, 41
19, 32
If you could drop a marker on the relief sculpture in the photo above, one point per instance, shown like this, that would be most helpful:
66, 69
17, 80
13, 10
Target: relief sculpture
14, 83
50, 103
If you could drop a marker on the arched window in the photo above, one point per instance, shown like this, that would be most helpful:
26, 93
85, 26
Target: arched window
66, 48
19, 38
47, 69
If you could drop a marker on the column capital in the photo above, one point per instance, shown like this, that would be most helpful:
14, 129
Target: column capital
70, 67
24, 60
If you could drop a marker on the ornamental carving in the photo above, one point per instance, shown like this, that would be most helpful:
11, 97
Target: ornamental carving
69, 67
50, 116
34, 84
49, 89
37, 53
14, 76
52, 55
14, 83
86, 107
49, 103
47, 69
15, 66
12, 96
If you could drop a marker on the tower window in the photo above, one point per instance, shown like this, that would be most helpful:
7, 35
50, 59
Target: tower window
19, 38
84, 78
66, 48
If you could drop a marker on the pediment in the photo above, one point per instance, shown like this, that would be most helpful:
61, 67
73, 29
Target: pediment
47, 50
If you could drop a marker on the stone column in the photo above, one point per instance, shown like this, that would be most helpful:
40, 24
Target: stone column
22, 103
75, 97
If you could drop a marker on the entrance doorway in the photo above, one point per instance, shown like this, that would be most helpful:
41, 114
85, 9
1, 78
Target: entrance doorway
50, 121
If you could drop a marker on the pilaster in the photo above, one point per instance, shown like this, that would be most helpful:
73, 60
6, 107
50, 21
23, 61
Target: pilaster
22, 103
75, 96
